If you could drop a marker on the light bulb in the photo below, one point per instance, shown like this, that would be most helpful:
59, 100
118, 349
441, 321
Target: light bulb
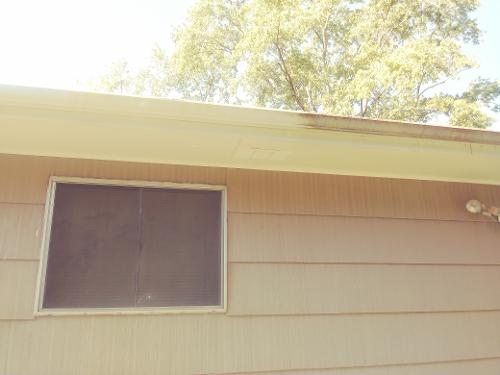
474, 206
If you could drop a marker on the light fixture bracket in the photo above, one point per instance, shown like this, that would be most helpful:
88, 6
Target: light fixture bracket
476, 207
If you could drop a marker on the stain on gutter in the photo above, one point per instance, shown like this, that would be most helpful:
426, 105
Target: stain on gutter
358, 125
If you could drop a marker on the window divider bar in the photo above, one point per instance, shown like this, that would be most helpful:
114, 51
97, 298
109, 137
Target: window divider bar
140, 245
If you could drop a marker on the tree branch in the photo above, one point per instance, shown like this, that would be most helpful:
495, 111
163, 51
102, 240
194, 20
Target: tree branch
285, 71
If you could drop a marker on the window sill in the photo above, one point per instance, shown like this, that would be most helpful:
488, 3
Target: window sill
132, 311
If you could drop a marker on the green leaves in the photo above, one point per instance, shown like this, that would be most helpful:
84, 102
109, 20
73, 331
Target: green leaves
371, 58
467, 109
118, 79
483, 91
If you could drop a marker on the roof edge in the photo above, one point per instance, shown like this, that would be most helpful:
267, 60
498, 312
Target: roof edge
146, 107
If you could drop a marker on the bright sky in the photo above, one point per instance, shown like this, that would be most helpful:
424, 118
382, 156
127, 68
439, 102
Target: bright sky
65, 43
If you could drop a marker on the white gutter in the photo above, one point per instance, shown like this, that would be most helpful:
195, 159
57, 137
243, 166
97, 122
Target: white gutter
49, 122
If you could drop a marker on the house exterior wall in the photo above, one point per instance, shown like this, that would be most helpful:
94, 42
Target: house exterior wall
327, 274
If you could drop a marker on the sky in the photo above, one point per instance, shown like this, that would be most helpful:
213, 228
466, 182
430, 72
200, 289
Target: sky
66, 43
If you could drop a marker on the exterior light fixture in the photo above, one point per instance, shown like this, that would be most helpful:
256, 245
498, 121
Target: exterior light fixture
476, 207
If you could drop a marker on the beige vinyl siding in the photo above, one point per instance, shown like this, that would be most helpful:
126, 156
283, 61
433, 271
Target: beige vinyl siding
17, 289
327, 274
486, 366
340, 239
25, 179
20, 230
200, 344
318, 194
290, 289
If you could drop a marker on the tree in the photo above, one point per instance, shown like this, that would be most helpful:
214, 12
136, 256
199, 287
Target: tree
369, 58
119, 79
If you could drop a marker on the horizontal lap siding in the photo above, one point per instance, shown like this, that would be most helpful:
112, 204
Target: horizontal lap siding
262, 289
316, 250
25, 179
17, 289
301, 264
334, 239
20, 238
288, 289
200, 344
316, 194
488, 366
20, 230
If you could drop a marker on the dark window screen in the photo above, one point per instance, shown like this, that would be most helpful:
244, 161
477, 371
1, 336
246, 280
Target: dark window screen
114, 246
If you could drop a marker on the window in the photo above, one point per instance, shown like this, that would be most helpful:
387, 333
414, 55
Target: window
115, 245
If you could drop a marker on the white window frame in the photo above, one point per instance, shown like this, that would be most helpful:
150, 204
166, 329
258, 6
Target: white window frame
48, 216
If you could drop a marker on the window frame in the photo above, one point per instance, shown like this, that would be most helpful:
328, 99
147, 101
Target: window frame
47, 228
